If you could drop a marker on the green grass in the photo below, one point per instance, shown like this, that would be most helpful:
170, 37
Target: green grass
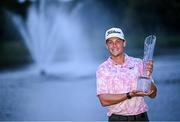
13, 53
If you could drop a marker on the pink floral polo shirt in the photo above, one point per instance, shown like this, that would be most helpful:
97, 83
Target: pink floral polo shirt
113, 78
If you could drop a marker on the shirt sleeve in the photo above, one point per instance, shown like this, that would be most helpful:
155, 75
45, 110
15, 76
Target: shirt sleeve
101, 82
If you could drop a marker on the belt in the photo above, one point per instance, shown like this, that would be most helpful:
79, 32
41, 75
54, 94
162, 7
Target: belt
139, 117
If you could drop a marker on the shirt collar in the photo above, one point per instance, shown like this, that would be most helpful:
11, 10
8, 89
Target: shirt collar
114, 63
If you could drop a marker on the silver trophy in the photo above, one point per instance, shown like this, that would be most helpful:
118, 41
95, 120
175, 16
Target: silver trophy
144, 81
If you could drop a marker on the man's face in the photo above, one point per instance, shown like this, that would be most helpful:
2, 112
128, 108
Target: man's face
115, 46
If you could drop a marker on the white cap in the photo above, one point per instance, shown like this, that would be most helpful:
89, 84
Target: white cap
114, 32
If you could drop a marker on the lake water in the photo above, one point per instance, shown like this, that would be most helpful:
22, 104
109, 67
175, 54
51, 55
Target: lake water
34, 97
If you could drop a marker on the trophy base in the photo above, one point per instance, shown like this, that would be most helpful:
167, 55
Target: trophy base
144, 84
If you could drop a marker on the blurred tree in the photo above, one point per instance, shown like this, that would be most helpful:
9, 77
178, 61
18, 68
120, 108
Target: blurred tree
156, 15
116, 7
150, 16
169, 13
15, 6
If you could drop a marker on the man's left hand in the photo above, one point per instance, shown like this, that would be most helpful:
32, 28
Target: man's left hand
149, 67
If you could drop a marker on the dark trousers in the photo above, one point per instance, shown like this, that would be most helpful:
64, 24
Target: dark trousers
139, 117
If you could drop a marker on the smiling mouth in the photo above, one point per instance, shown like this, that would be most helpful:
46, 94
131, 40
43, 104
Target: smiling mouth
115, 50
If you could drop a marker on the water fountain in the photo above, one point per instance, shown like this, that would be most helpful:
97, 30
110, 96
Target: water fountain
55, 33
49, 28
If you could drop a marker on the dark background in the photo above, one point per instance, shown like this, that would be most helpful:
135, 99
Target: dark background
136, 17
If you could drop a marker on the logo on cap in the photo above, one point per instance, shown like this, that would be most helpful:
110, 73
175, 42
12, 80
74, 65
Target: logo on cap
113, 31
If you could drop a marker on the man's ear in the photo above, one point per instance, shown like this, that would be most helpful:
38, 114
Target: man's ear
124, 44
106, 46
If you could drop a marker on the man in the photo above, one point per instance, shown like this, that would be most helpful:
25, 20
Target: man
117, 81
